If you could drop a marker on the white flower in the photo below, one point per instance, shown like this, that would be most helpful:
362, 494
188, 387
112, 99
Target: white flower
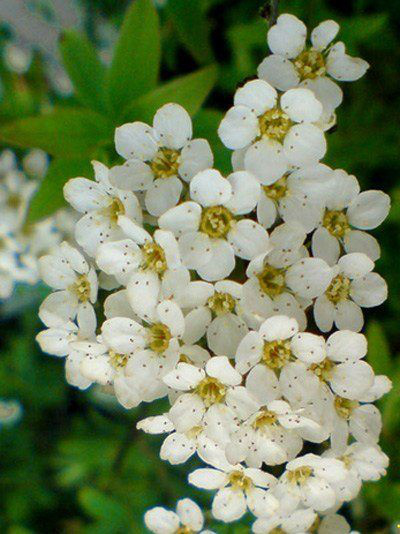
293, 63
238, 488
353, 286
188, 518
74, 280
297, 522
159, 157
101, 204
309, 480
288, 124
15, 193
348, 213
209, 232
283, 281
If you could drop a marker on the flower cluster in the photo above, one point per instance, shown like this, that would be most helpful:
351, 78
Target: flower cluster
22, 243
198, 287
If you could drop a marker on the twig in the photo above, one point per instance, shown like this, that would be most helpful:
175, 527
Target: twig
274, 6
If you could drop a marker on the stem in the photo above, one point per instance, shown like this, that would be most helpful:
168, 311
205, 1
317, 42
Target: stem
274, 6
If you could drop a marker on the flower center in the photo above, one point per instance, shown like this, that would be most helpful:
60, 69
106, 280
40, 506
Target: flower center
81, 288
310, 64
194, 432
118, 361
323, 369
14, 201
184, 530
264, 418
165, 163
159, 337
154, 258
300, 475
221, 303
339, 289
239, 481
115, 209
272, 280
277, 190
276, 354
344, 407
211, 390
336, 223
216, 221
274, 124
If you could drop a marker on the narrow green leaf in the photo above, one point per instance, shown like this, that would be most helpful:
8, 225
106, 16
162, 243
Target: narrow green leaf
192, 28
65, 132
84, 68
50, 197
135, 66
190, 91
206, 125
378, 349
103, 507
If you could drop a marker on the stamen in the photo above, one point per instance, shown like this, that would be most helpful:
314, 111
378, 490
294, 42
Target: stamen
115, 209
211, 390
300, 475
272, 280
159, 337
216, 221
118, 361
221, 303
277, 190
339, 289
276, 354
263, 419
239, 481
154, 258
274, 124
166, 163
310, 64
336, 222
81, 288
345, 407
323, 370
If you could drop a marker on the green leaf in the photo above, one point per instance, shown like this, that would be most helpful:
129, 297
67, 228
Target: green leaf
50, 197
65, 132
102, 507
192, 28
206, 125
385, 497
84, 68
378, 349
189, 91
136, 62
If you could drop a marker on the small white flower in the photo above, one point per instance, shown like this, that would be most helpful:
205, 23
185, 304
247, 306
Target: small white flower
353, 286
188, 518
288, 123
74, 280
101, 205
208, 229
15, 193
299, 521
159, 157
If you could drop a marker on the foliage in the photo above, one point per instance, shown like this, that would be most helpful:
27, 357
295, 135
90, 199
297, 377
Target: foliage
74, 462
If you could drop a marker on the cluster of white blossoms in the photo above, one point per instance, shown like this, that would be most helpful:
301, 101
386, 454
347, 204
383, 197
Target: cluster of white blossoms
198, 288
22, 243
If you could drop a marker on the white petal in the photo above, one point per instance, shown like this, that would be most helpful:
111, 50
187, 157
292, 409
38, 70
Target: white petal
249, 239
161, 521
118, 258
287, 37
58, 308
242, 402
238, 128
309, 277
301, 105
263, 384
266, 161
328, 93
257, 95
174, 126
309, 348
366, 423
228, 505
225, 333
304, 144
196, 323
177, 448
221, 263
133, 230
350, 380
325, 246
260, 502
344, 346
334, 523
187, 412
369, 291
184, 377
278, 328
248, 352
195, 248
279, 72
134, 175
169, 244
324, 33
344, 67
245, 192
190, 514
210, 188
208, 478
358, 241
135, 140
157, 424
324, 313
123, 335
162, 195
369, 209
181, 219
266, 211
219, 367
56, 272
171, 315
143, 290
84, 195
196, 156
348, 315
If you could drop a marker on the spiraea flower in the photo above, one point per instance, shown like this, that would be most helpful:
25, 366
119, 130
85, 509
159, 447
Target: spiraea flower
209, 227
187, 518
159, 158
294, 63
288, 122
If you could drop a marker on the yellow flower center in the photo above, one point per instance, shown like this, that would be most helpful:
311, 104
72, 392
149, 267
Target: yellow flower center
310, 64
276, 354
300, 475
277, 190
154, 258
263, 419
211, 390
118, 361
194, 432
159, 337
14, 201
115, 209
165, 163
272, 280
239, 481
344, 407
339, 289
184, 359
274, 124
81, 288
184, 530
336, 223
221, 303
323, 369
216, 221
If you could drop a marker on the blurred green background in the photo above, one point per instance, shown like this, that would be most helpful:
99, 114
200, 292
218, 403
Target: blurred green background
73, 461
